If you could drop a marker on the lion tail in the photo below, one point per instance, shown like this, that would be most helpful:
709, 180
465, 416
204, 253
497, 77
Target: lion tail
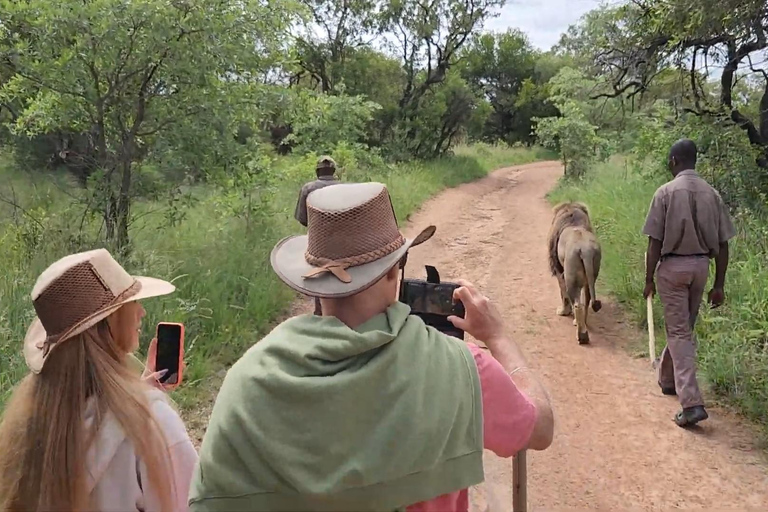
591, 262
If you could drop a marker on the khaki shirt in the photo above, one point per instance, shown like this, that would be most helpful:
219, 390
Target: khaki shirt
301, 205
689, 217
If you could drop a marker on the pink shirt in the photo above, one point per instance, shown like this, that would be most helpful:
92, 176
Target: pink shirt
508, 420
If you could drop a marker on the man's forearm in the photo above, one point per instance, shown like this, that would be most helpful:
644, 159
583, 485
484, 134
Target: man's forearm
653, 255
721, 265
511, 358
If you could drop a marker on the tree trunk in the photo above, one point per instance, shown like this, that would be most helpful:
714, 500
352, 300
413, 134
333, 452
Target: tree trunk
123, 212
110, 213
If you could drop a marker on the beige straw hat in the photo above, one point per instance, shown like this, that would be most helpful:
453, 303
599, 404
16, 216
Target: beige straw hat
76, 293
352, 241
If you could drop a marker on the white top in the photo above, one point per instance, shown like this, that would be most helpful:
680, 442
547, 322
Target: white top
118, 480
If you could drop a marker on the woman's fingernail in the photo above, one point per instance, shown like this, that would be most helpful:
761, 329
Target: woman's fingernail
162, 373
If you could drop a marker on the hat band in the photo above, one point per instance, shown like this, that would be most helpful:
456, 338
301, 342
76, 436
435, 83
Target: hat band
52, 339
339, 267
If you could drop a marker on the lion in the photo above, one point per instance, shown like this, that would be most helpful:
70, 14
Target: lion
574, 259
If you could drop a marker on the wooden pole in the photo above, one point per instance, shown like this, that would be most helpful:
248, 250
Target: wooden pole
520, 480
651, 332
651, 329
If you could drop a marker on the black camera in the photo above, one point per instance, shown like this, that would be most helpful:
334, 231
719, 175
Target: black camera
432, 301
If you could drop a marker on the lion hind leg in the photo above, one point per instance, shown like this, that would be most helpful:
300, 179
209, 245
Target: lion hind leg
575, 292
591, 270
565, 306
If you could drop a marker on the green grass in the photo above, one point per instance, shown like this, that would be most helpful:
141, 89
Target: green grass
733, 340
228, 296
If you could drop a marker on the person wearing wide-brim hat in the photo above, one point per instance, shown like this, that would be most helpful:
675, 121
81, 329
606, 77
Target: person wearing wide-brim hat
365, 407
84, 431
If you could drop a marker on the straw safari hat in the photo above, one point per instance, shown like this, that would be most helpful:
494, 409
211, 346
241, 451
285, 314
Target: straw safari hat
352, 241
76, 293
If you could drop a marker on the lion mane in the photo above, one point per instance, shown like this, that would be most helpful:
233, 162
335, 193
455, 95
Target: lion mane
567, 214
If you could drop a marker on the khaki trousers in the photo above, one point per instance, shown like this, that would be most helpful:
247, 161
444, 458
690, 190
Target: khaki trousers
681, 282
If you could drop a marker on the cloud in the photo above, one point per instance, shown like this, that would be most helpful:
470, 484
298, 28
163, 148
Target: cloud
542, 20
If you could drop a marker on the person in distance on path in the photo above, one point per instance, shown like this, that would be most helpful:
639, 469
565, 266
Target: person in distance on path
365, 408
687, 224
325, 171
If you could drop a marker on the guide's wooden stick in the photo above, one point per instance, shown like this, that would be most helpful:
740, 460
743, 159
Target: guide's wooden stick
651, 330
520, 480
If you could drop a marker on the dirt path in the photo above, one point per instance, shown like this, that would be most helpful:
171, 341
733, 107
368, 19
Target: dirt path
616, 447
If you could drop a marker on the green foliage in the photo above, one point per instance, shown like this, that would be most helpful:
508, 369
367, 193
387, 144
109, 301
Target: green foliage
668, 48
217, 254
571, 133
321, 121
131, 79
322, 56
444, 114
733, 340
505, 69
726, 159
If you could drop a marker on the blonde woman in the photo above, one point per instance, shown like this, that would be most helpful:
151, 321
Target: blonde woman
83, 431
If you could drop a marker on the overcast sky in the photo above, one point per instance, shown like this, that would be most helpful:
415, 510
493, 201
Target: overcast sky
542, 20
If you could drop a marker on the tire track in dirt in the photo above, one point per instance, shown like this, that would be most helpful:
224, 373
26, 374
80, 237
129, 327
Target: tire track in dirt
616, 447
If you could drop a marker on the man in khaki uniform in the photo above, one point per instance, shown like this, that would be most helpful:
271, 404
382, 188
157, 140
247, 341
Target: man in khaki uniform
325, 171
687, 224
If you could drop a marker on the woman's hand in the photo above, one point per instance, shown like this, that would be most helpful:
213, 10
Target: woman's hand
150, 376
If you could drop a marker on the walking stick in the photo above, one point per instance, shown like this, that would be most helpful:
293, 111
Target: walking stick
519, 480
651, 333
651, 330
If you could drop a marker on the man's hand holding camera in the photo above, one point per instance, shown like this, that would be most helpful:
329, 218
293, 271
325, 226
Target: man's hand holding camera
482, 319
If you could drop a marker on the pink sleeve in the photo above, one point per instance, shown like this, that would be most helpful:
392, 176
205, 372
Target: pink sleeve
508, 415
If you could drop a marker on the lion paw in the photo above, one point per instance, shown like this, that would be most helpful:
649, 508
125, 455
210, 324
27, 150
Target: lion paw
563, 311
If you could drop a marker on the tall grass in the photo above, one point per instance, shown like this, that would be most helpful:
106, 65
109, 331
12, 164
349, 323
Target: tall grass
733, 340
217, 256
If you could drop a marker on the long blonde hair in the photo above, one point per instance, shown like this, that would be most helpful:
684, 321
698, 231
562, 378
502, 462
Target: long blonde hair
43, 434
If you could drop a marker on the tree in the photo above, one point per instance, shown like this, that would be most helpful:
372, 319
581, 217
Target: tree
338, 28
502, 66
571, 133
444, 114
124, 74
633, 45
428, 36
320, 122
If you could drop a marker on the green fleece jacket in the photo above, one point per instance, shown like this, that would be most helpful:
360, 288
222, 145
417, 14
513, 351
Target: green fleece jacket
321, 417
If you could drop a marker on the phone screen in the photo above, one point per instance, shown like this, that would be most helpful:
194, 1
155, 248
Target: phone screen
433, 303
168, 347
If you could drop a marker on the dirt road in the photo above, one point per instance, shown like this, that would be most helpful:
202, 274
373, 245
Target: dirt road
616, 447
